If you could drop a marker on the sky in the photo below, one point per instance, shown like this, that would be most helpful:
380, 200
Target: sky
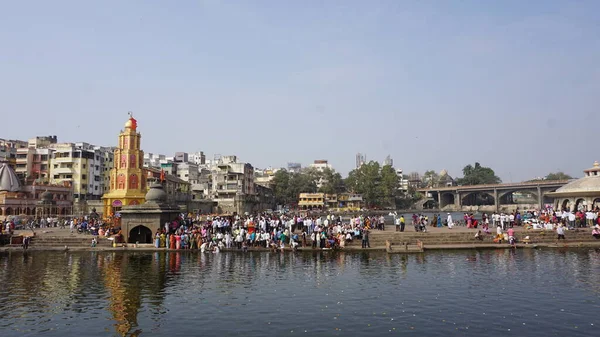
514, 85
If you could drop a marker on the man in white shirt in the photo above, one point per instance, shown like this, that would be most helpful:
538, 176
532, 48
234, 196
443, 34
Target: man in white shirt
589, 217
571, 218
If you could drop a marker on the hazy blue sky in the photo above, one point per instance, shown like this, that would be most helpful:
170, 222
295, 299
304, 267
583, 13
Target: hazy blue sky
514, 85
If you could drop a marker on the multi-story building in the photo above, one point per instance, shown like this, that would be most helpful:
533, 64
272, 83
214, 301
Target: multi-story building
294, 167
41, 164
41, 141
403, 183
8, 151
311, 201
154, 160
233, 185
24, 162
388, 161
181, 157
198, 158
178, 190
321, 165
361, 159
82, 165
188, 172
265, 177
203, 188
169, 167
108, 153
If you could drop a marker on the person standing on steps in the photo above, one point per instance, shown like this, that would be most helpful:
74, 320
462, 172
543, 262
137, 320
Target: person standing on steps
402, 223
560, 231
365, 239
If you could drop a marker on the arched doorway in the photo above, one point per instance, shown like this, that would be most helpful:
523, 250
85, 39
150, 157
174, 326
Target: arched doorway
579, 205
596, 203
565, 205
140, 234
8, 211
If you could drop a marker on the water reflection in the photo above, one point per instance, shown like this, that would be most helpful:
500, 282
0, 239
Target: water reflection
78, 293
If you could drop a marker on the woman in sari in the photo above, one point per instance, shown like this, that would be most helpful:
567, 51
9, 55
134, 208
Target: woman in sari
157, 239
177, 241
172, 241
163, 240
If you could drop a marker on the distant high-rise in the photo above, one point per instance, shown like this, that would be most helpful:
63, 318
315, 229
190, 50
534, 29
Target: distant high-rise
294, 167
388, 161
361, 159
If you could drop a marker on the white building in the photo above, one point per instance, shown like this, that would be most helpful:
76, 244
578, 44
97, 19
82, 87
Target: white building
197, 158
321, 165
155, 160
188, 172
82, 165
233, 184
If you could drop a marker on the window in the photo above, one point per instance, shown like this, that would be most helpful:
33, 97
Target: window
84, 176
43, 167
83, 166
132, 160
55, 165
56, 176
121, 182
133, 181
68, 176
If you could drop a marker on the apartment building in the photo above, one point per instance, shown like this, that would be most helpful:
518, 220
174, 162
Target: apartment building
233, 185
82, 165
188, 172
8, 150
154, 160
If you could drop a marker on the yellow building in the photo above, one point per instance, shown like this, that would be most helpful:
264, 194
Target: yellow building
127, 178
311, 201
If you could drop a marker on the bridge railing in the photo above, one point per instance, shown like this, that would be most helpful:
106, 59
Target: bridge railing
492, 186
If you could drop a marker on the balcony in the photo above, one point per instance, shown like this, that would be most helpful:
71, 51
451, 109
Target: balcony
63, 170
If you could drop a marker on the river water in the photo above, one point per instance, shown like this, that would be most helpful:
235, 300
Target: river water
488, 292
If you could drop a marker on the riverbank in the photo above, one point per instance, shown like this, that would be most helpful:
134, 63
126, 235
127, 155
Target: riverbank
395, 249
458, 238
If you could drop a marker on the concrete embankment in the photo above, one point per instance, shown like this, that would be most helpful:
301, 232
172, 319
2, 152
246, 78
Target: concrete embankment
400, 242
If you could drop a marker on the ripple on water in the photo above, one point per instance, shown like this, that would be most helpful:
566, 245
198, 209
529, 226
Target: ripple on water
532, 293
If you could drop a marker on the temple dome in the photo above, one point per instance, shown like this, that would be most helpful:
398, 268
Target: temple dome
47, 196
131, 124
589, 183
8, 179
156, 193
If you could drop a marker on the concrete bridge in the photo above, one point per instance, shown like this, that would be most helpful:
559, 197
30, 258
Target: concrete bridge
490, 198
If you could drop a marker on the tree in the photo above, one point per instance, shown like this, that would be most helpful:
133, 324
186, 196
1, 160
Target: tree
281, 182
389, 185
288, 186
431, 178
558, 176
378, 185
332, 182
478, 175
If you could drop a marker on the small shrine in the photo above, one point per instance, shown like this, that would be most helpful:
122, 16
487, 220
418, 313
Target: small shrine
140, 222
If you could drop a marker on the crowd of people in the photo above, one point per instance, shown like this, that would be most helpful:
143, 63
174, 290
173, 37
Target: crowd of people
279, 231
269, 231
